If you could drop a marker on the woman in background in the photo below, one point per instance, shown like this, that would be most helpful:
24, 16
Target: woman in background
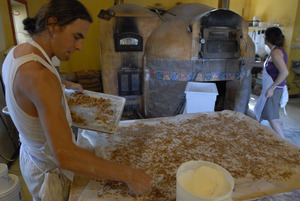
274, 84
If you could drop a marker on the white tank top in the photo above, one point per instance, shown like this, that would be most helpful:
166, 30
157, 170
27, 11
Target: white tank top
30, 129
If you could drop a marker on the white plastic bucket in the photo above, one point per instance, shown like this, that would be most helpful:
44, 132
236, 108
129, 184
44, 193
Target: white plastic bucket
10, 188
256, 20
200, 97
3, 177
183, 195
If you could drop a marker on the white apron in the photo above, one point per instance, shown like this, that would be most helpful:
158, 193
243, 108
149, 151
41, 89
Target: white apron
56, 182
267, 82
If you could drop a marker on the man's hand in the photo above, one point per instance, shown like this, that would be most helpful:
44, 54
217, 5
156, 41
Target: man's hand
72, 85
139, 182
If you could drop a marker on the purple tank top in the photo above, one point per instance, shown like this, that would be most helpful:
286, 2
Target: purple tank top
273, 71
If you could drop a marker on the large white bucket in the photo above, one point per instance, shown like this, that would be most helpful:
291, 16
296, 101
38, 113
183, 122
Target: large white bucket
200, 97
10, 188
183, 194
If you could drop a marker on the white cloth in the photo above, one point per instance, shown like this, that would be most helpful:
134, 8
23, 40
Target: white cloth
36, 159
43, 179
284, 98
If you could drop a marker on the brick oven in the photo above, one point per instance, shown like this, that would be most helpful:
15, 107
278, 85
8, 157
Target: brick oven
198, 43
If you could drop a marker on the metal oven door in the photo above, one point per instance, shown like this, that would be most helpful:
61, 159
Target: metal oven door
221, 43
128, 42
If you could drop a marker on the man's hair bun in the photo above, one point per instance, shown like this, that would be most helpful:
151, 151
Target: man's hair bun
30, 25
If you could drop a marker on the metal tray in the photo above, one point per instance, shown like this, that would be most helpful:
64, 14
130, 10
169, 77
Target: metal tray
89, 113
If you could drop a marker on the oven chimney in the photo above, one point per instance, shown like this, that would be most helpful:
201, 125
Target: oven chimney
123, 39
224, 4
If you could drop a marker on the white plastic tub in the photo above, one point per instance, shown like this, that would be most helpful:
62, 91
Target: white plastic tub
10, 188
200, 97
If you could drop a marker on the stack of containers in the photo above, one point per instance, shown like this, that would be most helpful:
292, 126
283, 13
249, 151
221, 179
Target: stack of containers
10, 188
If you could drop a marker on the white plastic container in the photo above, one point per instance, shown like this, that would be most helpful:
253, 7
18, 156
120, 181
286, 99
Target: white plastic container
3, 176
200, 97
256, 20
263, 24
10, 188
183, 195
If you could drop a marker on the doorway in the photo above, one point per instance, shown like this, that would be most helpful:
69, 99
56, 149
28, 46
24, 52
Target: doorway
18, 12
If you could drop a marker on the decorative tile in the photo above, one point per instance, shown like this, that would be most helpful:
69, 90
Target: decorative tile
210, 76
166, 76
207, 76
215, 76
190, 76
174, 76
159, 75
237, 75
182, 76
222, 76
153, 74
200, 77
230, 76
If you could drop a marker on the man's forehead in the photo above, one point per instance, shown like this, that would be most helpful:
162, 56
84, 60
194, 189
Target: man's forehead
79, 27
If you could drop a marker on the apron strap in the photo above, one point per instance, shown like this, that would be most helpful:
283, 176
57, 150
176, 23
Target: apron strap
53, 69
35, 44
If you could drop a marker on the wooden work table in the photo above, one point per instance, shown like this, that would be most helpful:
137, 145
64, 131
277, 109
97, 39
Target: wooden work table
260, 162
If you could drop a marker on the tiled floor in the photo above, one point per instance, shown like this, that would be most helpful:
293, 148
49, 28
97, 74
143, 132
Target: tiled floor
290, 123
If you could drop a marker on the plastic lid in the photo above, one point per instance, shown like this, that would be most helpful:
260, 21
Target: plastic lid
3, 169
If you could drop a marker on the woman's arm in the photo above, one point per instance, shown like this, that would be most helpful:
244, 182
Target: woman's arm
277, 58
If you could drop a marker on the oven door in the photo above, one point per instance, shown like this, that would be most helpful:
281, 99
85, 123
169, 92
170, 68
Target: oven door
129, 83
128, 42
221, 43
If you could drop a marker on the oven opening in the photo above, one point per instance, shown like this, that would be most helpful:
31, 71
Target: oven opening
127, 42
220, 43
222, 46
220, 102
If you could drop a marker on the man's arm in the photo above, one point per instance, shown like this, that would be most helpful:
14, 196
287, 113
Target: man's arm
44, 91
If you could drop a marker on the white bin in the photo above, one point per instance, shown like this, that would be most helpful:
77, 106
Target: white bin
200, 97
10, 188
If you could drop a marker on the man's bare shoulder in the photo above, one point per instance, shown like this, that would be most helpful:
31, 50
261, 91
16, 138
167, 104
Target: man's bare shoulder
33, 77
25, 49
35, 71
